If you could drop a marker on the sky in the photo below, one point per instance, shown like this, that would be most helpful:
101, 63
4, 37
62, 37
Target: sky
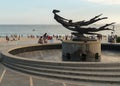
40, 11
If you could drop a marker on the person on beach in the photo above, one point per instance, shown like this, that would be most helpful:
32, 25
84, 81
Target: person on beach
19, 37
45, 38
40, 41
7, 38
50, 38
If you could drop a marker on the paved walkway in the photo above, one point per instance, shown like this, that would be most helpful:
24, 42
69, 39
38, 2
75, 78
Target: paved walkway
10, 77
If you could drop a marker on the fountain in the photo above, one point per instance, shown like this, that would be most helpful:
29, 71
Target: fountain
76, 61
81, 48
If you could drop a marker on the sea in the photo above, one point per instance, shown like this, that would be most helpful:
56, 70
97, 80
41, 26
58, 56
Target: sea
26, 30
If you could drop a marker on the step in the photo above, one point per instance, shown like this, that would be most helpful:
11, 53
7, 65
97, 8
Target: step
70, 72
101, 69
69, 77
62, 64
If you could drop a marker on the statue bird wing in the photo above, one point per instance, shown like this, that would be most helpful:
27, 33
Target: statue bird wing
55, 11
97, 16
57, 16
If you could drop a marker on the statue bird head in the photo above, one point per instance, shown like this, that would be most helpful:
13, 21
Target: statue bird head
55, 11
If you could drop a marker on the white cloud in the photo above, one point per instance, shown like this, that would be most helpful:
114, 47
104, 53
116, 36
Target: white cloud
108, 2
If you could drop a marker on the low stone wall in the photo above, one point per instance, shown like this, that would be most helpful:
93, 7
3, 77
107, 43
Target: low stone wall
104, 46
34, 48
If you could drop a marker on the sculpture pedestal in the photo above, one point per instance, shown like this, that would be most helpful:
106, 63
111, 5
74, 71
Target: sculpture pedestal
89, 51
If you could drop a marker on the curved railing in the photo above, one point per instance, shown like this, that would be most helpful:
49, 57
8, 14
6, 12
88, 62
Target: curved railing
78, 71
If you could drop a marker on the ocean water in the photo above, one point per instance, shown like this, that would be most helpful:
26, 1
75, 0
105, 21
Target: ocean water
41, 29
32, 30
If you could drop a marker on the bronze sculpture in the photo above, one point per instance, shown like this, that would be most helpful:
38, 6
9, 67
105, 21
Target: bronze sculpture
79, 27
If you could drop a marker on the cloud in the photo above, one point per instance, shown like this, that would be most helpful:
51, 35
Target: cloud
108, 2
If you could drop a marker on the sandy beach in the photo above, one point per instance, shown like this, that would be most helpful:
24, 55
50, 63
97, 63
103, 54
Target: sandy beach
22, 42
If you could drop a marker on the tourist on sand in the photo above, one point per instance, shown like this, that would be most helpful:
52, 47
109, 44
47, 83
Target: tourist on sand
40, 41
7, 38
45, 38
45, 35
19, 37
50, 38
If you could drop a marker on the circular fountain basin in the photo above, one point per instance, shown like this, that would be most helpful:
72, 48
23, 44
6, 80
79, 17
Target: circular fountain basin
53, 52
56, 55
45, 60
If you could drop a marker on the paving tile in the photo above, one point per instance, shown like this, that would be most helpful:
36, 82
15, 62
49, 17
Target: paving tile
1, 69
12, 78
45, 82
70, 84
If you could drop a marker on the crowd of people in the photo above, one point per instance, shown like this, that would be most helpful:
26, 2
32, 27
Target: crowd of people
12, 37
41, 39
45, 38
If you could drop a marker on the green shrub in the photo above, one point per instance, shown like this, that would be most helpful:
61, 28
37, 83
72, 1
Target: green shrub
118, 39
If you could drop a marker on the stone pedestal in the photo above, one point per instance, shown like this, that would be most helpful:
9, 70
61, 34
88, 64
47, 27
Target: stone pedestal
89, 51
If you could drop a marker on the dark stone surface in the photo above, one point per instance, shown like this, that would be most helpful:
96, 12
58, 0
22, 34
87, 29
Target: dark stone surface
115, 47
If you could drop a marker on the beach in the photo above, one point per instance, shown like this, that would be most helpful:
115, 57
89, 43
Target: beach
4, 45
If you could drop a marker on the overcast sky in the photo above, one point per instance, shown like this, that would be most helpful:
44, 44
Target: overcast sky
40, 11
